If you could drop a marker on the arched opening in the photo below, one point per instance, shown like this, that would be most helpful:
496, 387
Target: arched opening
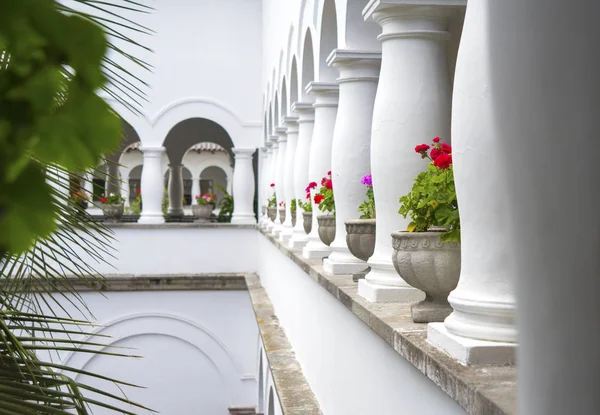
271, 405
130, 137
328, 41
284, 101
294, 83
308, 66
213, 179
135, 182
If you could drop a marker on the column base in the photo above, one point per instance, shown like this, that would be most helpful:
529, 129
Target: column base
470, 351
330, 266
179, 213
269, 226
243, 219
314, 250
151, 219
286, 234
360, 275
277, 228
297, 242
376, 293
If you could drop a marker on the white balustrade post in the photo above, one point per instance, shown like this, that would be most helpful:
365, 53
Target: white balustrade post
326, 102
288, 179
264, 192
124, 173
351, 148
152, 185
243, 187
279, 177
88, 184
195, 189
268, 192
412, 106
482, 327
273, 175
306, 120
175, 190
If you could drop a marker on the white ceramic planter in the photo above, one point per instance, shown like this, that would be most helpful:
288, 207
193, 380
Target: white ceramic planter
427, 263
360, 237
326, 228
202, 212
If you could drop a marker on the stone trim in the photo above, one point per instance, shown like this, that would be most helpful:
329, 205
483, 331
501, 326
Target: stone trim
242, 410
480, 390
292, 388
178, 225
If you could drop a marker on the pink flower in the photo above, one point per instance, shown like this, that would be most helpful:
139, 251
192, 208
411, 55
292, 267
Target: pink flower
272, 184
436, 140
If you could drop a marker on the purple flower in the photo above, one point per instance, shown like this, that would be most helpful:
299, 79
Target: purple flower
368, 180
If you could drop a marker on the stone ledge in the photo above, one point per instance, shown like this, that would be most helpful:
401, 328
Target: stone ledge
293, 390
480, 390
177, 225
166, 282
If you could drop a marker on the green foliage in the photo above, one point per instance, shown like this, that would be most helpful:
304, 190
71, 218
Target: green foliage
272, 202
307, 205
293, 206
432, 202
225, 205
135, 207
367, 207
165, 202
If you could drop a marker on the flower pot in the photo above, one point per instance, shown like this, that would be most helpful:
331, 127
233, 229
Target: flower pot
281, 215
294, 218
272, 213
112, 212
263, 210
360, 237
307, 221
202, 212
326, 228
426, 263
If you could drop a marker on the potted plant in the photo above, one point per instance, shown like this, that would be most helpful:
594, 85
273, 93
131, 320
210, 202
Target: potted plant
281, 212
360, 233
272, 206
205, 206
427, 254
293, 207
307, 209
324, 199
112, 206
81, 199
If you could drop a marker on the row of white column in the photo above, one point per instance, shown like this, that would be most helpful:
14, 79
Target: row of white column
516, 175
368, 122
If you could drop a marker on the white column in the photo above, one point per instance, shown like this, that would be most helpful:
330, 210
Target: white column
243, 187
279, 177
272, 174
263, 195
113, 184
351, 148
88, 184
124, 172
175, 190
482, 327
268, 191
326, 102
306, 120
195, 188
288, 176
412, 106
152, 185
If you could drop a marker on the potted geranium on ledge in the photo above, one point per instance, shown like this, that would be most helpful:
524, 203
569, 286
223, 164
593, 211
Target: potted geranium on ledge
427, 254
272, 206
307, 208
360, 233
324, 199
206, 203
281, 212
112, 206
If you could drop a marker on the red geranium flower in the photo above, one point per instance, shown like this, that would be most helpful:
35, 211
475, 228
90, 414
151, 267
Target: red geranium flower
421, 148
446, 148
308, 195
328, 184
102, 200
311, 185
319, 199
435, 153
272, 184
436, 140
138, 191
323, 181
443, 161
329, 173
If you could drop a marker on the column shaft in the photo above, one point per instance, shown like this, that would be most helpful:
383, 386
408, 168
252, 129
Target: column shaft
279, 177
326, 101
195, 189
288, 176
243, 187
152, 185
175, 190
350, 153
272, 174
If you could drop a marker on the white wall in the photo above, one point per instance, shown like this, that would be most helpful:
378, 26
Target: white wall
198, 348
351, 370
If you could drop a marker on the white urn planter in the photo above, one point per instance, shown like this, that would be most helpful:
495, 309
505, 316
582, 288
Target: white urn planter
293, 218
113, 212
282, 215
202, 212
272, 213
433, 266
326, 228
307, 221
360, 237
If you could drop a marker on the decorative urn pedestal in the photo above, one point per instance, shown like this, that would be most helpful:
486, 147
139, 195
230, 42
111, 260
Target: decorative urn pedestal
326, 228
433, 266
360, 239
281, 215
202, 212
272, 213
307, 221
112, 212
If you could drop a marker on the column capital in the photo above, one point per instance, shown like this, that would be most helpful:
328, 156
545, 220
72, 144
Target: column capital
326, 93
375, 6
292, 124
150, 150
355, 65
241, 153
300, 107
176, 165
281, 134
273, 139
